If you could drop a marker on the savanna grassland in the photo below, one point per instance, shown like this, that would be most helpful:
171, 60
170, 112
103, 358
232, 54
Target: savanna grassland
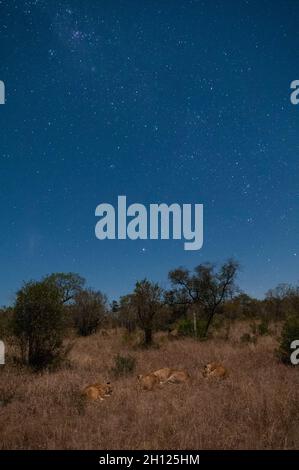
255, 407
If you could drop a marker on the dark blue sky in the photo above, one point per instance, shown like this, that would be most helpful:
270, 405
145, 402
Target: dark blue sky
163, 101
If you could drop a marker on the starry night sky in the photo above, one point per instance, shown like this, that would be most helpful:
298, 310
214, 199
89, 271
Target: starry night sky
163, 101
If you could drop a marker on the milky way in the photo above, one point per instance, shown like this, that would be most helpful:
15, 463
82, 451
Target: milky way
175, 101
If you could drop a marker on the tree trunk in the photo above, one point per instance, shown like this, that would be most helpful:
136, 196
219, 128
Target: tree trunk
210, 318
30, 352
148, 336
194, 323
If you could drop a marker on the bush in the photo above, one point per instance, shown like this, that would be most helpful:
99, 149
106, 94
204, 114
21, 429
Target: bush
263, 328
89, 311
253, 328
290, 333
38, 324
124, 365
185, 327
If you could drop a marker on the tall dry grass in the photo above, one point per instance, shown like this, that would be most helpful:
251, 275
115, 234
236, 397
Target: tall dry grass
256, 407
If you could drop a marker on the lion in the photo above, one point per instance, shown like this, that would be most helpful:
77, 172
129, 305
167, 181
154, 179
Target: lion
215, 370
179, 376
97, 391
148, 382
163, 374
173, 334
161, 377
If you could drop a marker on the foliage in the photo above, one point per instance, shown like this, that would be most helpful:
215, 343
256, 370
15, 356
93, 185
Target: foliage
263, 327
282, 301
242, 306
68, 284
127, 313
38, 323
89, 311
147, 300
205, 287
6, 317
185, 327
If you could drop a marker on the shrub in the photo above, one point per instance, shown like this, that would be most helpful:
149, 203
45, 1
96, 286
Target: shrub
253, 328
89, 311
123, 365
263, 328
290, 333
185, 327
38, 324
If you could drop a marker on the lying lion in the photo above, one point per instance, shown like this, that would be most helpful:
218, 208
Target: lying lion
97, 391
161, 377
214, 370
148, 382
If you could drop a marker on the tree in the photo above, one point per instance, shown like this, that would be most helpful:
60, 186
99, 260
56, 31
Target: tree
147, 300
293, 300
6, 316
69, 284
114, 311
38, 323
205, 288
243, 306
127, 314
277, 299
114, 306
89, 311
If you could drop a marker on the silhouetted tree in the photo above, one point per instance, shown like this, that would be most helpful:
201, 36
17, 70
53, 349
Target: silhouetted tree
6, 318
205, 287
38, 323
243, 306
147, 299
127, 314
89, 311
68, 284
275, 299
280, 300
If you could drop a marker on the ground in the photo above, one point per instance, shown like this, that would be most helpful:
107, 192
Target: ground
256, 407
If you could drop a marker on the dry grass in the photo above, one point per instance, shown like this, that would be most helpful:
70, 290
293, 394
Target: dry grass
256, 407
